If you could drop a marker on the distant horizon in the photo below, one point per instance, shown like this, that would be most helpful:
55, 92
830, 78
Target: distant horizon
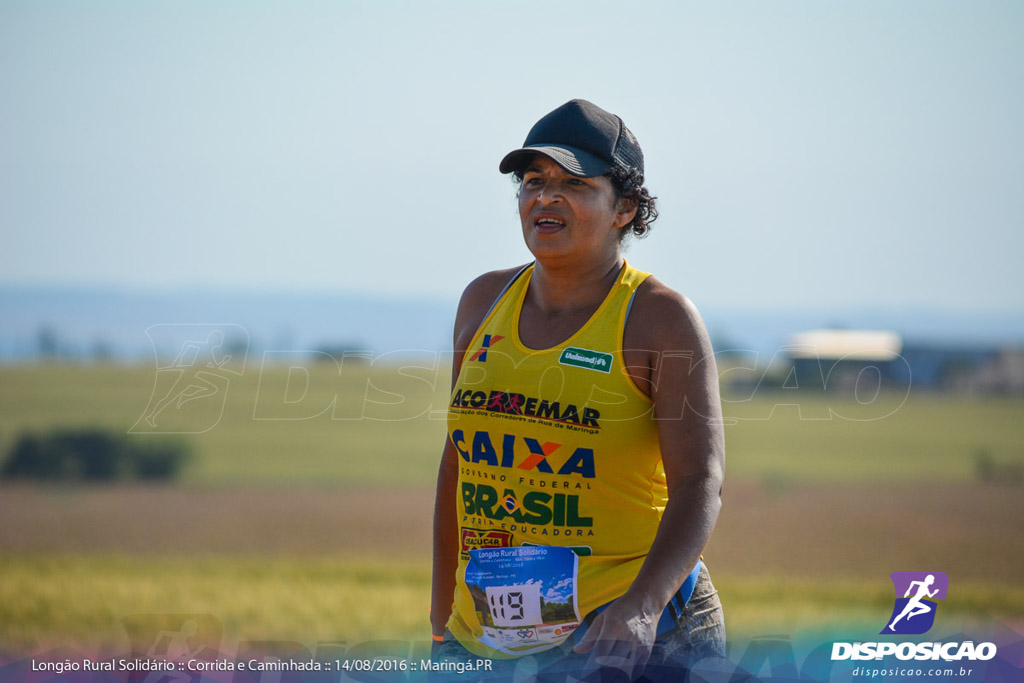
324, 290
85, 319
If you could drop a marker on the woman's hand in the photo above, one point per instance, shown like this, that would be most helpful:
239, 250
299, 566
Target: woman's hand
618, 643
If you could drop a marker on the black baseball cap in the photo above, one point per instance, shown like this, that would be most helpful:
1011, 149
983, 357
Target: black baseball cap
583, 139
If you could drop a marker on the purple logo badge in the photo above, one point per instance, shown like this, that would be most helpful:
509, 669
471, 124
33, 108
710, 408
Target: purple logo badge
914, 612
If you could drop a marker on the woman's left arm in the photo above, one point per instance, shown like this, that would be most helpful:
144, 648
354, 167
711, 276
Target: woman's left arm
683, 382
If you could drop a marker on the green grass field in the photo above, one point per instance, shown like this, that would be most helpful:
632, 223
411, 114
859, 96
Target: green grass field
371, 427
79, 601
59, 600
305, 515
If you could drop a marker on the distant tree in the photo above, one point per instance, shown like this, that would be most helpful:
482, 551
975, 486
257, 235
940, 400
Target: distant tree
236, 347
93, 455
47, 343
102, 351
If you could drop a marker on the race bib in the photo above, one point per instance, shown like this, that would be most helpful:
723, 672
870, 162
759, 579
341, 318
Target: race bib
525, 597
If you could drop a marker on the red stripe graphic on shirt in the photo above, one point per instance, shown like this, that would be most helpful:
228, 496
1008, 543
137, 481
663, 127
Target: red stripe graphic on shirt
538, 454
481, 354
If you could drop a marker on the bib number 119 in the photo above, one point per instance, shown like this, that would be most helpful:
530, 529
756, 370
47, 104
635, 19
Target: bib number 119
515, 605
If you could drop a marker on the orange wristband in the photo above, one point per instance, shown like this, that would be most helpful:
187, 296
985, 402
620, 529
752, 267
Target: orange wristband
437, 639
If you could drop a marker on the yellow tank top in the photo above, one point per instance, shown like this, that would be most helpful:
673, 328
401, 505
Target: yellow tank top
557, 447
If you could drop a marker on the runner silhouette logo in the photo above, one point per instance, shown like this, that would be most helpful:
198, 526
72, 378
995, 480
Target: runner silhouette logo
195, 364
914, 612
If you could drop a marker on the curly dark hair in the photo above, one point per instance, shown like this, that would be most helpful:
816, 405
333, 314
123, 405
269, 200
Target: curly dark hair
628, 183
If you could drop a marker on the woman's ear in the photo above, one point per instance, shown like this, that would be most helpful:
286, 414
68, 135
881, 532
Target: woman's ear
626, 210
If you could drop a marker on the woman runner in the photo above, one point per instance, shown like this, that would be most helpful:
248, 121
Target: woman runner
582, 474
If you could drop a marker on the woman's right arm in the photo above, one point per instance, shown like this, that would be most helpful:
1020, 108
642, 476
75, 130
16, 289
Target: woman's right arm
446, 541
473, 307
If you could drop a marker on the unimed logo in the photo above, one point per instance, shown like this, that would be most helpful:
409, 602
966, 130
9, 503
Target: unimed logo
585, 358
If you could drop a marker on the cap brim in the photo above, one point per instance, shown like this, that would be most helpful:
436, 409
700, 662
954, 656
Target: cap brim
573, 160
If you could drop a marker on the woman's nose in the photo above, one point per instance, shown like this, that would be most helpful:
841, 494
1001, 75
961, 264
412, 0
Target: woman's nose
551, 192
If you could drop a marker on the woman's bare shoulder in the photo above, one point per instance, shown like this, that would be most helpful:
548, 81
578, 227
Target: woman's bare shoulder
476, 301
663, 319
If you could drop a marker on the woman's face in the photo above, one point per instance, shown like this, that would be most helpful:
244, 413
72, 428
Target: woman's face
567, 216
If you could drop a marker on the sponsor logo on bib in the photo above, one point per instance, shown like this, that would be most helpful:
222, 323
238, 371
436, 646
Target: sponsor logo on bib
480, 538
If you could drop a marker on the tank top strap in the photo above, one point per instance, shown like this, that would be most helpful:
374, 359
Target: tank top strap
505, 291
630, 282
609, 329
511, 293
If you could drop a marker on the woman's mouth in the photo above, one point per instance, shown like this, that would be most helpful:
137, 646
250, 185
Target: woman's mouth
548, 224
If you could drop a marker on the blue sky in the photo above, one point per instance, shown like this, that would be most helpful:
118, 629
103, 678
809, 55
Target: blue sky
805, 154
